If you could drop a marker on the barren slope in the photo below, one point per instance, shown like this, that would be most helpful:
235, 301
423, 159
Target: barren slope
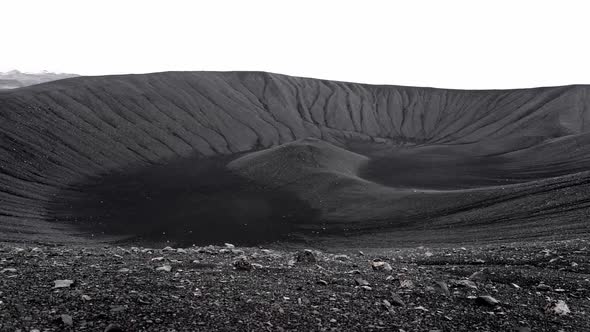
182, 155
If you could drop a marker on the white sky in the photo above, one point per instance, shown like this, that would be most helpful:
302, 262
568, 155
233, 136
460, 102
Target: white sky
452, 44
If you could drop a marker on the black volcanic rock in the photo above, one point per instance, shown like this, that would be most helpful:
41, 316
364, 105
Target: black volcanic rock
305, 257
250, 157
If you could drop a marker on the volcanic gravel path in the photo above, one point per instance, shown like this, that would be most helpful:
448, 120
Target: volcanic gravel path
202, 289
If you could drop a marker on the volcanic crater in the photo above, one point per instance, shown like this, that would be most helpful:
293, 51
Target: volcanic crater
254, 157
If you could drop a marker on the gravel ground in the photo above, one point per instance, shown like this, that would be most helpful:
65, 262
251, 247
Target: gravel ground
509, 287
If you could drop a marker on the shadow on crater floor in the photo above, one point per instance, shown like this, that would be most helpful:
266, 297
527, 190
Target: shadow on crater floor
452, 169
190, 201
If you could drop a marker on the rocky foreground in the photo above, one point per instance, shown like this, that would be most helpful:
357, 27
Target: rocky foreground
512, 287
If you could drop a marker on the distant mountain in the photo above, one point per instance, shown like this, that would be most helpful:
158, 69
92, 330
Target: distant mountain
16, 79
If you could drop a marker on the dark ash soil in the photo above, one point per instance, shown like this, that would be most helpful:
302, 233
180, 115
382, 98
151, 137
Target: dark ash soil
204, 292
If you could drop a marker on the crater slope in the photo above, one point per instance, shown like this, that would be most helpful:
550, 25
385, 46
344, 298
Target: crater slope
253, 157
